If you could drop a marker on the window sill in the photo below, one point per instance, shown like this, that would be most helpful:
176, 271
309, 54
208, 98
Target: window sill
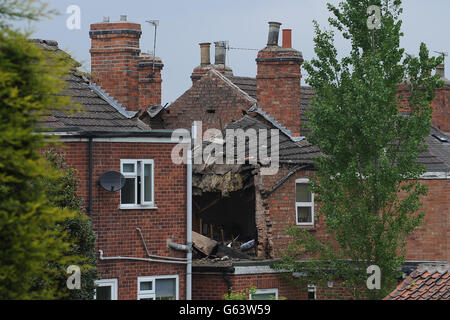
136, 207
308, 227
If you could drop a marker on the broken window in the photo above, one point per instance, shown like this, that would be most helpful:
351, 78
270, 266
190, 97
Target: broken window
304, 203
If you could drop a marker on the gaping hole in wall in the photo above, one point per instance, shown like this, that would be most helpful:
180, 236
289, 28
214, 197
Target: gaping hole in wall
224, 213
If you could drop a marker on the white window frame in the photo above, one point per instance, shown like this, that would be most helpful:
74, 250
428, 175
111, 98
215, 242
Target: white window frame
143, 204
304, 204
152, 293
312, 288
266, 291
113, 283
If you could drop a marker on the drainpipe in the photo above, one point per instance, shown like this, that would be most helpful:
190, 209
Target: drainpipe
189, 216
91, 172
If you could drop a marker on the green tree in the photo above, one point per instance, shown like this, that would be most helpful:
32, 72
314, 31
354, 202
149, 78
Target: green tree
367, 181
30, 83
61, 193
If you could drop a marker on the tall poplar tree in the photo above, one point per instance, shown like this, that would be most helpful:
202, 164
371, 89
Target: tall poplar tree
367, 181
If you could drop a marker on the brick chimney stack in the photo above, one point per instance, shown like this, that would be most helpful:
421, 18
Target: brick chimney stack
440, 116
118, 67
278, 80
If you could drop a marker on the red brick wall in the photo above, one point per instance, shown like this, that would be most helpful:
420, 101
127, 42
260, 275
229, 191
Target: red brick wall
429, 242
440, 117
213, 286
208, 286
211, 92
116, 228
278, 85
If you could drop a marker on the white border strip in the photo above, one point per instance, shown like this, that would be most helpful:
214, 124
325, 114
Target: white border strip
122, 139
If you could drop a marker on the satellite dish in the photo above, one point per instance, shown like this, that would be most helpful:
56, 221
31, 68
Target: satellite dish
112, 181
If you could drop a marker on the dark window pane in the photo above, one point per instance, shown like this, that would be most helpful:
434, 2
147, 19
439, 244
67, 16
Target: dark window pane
103, 293
165, 289
304, 215
302, 193
128, 191
146, 286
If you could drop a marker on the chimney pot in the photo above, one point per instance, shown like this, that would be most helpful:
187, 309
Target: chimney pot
440, 70
274, 30
123, 17
220, 53
287, 38
205, 54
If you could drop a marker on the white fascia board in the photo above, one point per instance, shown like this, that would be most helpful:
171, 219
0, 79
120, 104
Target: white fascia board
73, 138
438, 175
256, 270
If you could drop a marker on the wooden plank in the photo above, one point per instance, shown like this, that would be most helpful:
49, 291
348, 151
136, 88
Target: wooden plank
202, 243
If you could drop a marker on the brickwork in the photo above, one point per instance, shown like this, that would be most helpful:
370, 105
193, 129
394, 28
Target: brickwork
278, 85
118, 67
116, 228
209, 286
428, 243
212, 100
440, 116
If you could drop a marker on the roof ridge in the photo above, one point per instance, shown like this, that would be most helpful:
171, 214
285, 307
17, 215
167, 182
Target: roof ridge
111, 101
232, 85
273, 121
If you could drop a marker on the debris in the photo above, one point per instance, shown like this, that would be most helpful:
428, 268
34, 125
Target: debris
203, 244
248, 245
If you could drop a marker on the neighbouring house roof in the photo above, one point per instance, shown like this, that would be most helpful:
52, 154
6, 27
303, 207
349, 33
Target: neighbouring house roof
98, 112
290, 151
427, 282
248, 85
437, 158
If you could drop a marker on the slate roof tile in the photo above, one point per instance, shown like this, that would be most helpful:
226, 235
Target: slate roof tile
95, 113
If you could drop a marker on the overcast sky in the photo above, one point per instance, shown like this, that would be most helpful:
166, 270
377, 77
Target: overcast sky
184, 24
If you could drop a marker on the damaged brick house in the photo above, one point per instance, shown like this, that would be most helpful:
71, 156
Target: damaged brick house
237, 201
143, 228
125, 129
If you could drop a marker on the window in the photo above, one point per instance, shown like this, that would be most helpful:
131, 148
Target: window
304, 203
158, 288
106, 289
265, 294
138, 190
312, 292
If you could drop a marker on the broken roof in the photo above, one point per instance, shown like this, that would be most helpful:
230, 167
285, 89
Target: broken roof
97, 112
436, 158
427, 282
